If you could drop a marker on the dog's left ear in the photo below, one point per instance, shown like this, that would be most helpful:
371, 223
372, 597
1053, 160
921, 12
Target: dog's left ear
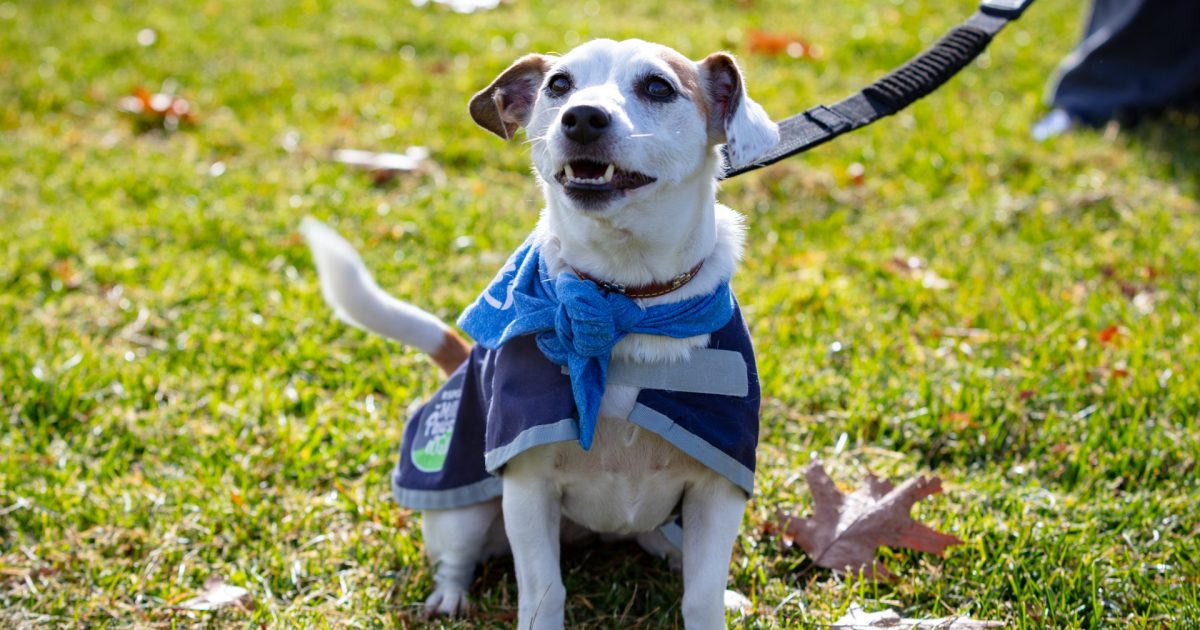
734, 119
506, 104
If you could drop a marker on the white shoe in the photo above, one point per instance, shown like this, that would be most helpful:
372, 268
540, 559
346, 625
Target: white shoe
1057, 122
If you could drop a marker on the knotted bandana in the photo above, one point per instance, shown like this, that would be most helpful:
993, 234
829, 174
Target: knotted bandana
577, 323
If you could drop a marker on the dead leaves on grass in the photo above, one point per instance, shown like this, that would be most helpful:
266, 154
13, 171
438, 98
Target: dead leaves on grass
1110, 334
157, 111
846, 529
769, 43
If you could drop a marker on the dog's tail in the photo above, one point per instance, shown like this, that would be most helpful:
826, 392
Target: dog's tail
357, 300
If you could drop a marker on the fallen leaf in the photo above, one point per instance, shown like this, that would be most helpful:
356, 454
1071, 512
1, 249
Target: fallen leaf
845, 529
383, 166
1142, 293
857, 173
904, 266
1108, 373
767, 43
1109, 334
65, 272
165, 111
959, 420
402, 518
217, 594
1144, 302
915, 269
858, 619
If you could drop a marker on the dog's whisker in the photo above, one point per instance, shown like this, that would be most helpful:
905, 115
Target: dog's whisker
543, 148
640, 135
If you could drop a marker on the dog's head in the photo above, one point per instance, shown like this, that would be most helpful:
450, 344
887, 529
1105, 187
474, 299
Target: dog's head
613, 122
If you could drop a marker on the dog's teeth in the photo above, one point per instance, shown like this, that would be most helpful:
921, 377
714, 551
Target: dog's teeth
570, 172
608, 173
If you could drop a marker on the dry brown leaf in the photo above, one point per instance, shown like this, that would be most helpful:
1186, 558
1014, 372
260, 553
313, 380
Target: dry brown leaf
858, 619
1110, 334
217, 594
857, 173
159, 110
845, 529
768, 43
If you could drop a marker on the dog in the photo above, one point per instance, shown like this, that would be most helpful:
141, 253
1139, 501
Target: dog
627, 140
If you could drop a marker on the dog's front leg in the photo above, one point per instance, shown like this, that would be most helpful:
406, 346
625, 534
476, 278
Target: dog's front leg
532, 516
712, 515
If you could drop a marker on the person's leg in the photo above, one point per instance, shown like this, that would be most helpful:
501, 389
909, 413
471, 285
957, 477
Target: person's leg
1137, 56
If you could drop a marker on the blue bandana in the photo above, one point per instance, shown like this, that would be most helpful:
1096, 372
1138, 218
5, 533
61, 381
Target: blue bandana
576, 323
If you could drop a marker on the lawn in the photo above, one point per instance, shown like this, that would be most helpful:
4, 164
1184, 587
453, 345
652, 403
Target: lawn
1020, 319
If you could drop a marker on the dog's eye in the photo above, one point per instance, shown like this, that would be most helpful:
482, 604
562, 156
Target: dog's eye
559, 84
658, 89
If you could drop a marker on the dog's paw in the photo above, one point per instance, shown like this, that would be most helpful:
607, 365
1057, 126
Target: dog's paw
737, 603
448, 601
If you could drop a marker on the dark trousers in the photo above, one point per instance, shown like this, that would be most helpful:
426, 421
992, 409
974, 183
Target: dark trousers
1137, 56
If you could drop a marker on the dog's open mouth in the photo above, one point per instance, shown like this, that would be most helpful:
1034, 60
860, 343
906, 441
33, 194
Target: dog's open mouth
589, 180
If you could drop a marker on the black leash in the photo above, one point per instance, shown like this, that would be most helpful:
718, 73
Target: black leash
899, 89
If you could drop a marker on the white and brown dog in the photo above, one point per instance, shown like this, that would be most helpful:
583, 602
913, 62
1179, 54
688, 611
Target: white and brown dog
626, 142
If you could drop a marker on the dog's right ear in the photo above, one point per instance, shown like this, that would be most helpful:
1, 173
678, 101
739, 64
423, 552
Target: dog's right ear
507, 103
734, 119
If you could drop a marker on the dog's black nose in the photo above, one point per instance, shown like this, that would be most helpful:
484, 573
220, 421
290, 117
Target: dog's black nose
584, 123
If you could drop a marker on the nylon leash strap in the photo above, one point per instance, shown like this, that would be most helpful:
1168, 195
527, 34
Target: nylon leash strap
895, 91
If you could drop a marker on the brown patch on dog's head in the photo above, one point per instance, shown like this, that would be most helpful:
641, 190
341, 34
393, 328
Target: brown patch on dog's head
689, 78
506, 104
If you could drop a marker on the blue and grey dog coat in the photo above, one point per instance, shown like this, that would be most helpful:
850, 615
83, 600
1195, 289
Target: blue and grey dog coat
501, 402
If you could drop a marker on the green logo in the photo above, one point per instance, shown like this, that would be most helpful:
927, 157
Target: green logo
432, 442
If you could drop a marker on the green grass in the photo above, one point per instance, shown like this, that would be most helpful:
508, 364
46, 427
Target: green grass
178, 402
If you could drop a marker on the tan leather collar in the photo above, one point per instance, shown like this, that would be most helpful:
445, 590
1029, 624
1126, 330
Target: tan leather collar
653, 289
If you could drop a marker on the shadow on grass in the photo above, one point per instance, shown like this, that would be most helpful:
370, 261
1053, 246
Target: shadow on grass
609, 585
1174, 134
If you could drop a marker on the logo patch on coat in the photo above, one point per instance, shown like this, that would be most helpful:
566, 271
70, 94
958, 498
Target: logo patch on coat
432, 440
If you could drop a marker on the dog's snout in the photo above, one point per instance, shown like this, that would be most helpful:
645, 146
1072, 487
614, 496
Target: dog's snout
584, 123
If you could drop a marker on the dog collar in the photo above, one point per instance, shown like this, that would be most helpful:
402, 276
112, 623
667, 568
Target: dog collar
654, 289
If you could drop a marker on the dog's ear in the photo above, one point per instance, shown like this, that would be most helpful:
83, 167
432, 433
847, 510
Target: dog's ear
506, 104
734, 119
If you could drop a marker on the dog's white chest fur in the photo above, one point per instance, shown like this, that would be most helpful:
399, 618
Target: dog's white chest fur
630, 481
